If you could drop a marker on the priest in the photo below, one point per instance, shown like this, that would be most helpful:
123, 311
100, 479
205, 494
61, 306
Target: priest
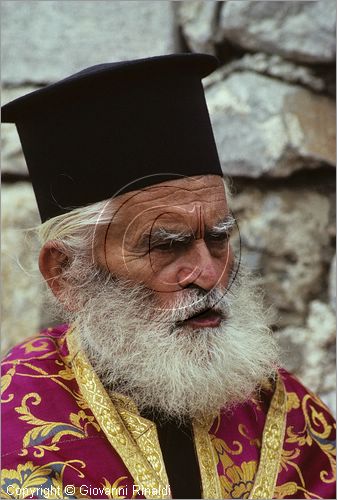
164, 380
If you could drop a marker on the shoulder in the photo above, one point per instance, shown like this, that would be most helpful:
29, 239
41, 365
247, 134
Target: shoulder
48, 343
308, 420
299, 398
308, 452
27, 364
38, 387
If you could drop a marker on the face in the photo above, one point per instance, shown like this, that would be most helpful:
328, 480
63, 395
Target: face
158, 310
170, 237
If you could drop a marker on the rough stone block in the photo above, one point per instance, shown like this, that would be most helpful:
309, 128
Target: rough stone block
265, 127
309, 351
332, 284
283, 237
198, 19
21, 281
12, 158
276, 67
45, 41
297, 30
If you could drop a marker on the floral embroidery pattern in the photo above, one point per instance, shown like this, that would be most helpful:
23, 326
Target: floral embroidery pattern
239, 481
52, 438
44, 430
315, 433
30, 480
308, 428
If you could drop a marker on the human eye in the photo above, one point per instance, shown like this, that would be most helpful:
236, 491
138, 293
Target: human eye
162, 247
172, 245
219, 238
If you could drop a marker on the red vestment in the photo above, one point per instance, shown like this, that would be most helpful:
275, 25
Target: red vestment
64, 436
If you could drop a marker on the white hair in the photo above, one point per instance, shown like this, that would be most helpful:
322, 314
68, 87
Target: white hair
75, 230
75, 233
146, 352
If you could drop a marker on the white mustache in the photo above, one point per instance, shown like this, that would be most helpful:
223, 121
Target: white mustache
197, 302
136, 345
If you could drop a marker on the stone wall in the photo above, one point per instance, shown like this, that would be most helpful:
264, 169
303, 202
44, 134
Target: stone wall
273, 112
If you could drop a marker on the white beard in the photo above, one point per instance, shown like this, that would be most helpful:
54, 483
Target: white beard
168, 368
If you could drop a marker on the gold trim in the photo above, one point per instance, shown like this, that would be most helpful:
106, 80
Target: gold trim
144, 432
147, 472
272, 445
136, 441
210, 480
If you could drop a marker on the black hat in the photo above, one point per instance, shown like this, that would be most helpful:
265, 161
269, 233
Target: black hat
114, 128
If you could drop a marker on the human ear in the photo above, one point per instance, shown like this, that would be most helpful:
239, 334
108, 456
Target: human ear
53, 259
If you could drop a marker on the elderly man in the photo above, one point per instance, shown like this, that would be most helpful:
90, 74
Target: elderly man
164, 383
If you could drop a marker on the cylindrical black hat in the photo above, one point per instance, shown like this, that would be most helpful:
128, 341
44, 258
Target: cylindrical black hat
114, 128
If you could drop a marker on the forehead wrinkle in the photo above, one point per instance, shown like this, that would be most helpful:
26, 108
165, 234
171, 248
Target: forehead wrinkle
172, 232
164, 200
175, 215
168, 203
177, 208
173, 190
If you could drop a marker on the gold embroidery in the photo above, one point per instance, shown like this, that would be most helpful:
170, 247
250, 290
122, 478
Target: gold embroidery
29, 479
29, 346
316, 430
63, 374
116, 490
123, 402
234, 479
6, 381
136, 441
239, 480
44, 430
211, 487
293, 401
143, 431
272, 445
245, 433
110, 421
145, 434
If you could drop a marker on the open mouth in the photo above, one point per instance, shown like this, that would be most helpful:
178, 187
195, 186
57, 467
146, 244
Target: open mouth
207, 318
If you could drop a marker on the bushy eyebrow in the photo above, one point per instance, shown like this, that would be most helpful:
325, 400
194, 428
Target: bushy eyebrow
163, 235
225, 225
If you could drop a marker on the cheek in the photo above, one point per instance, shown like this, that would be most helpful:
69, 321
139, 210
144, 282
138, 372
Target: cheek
160, 271
226, 267
135, 268
162, 274
167, 269
154, 271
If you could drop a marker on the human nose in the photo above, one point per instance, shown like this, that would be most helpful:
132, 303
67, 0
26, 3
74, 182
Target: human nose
199, 267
